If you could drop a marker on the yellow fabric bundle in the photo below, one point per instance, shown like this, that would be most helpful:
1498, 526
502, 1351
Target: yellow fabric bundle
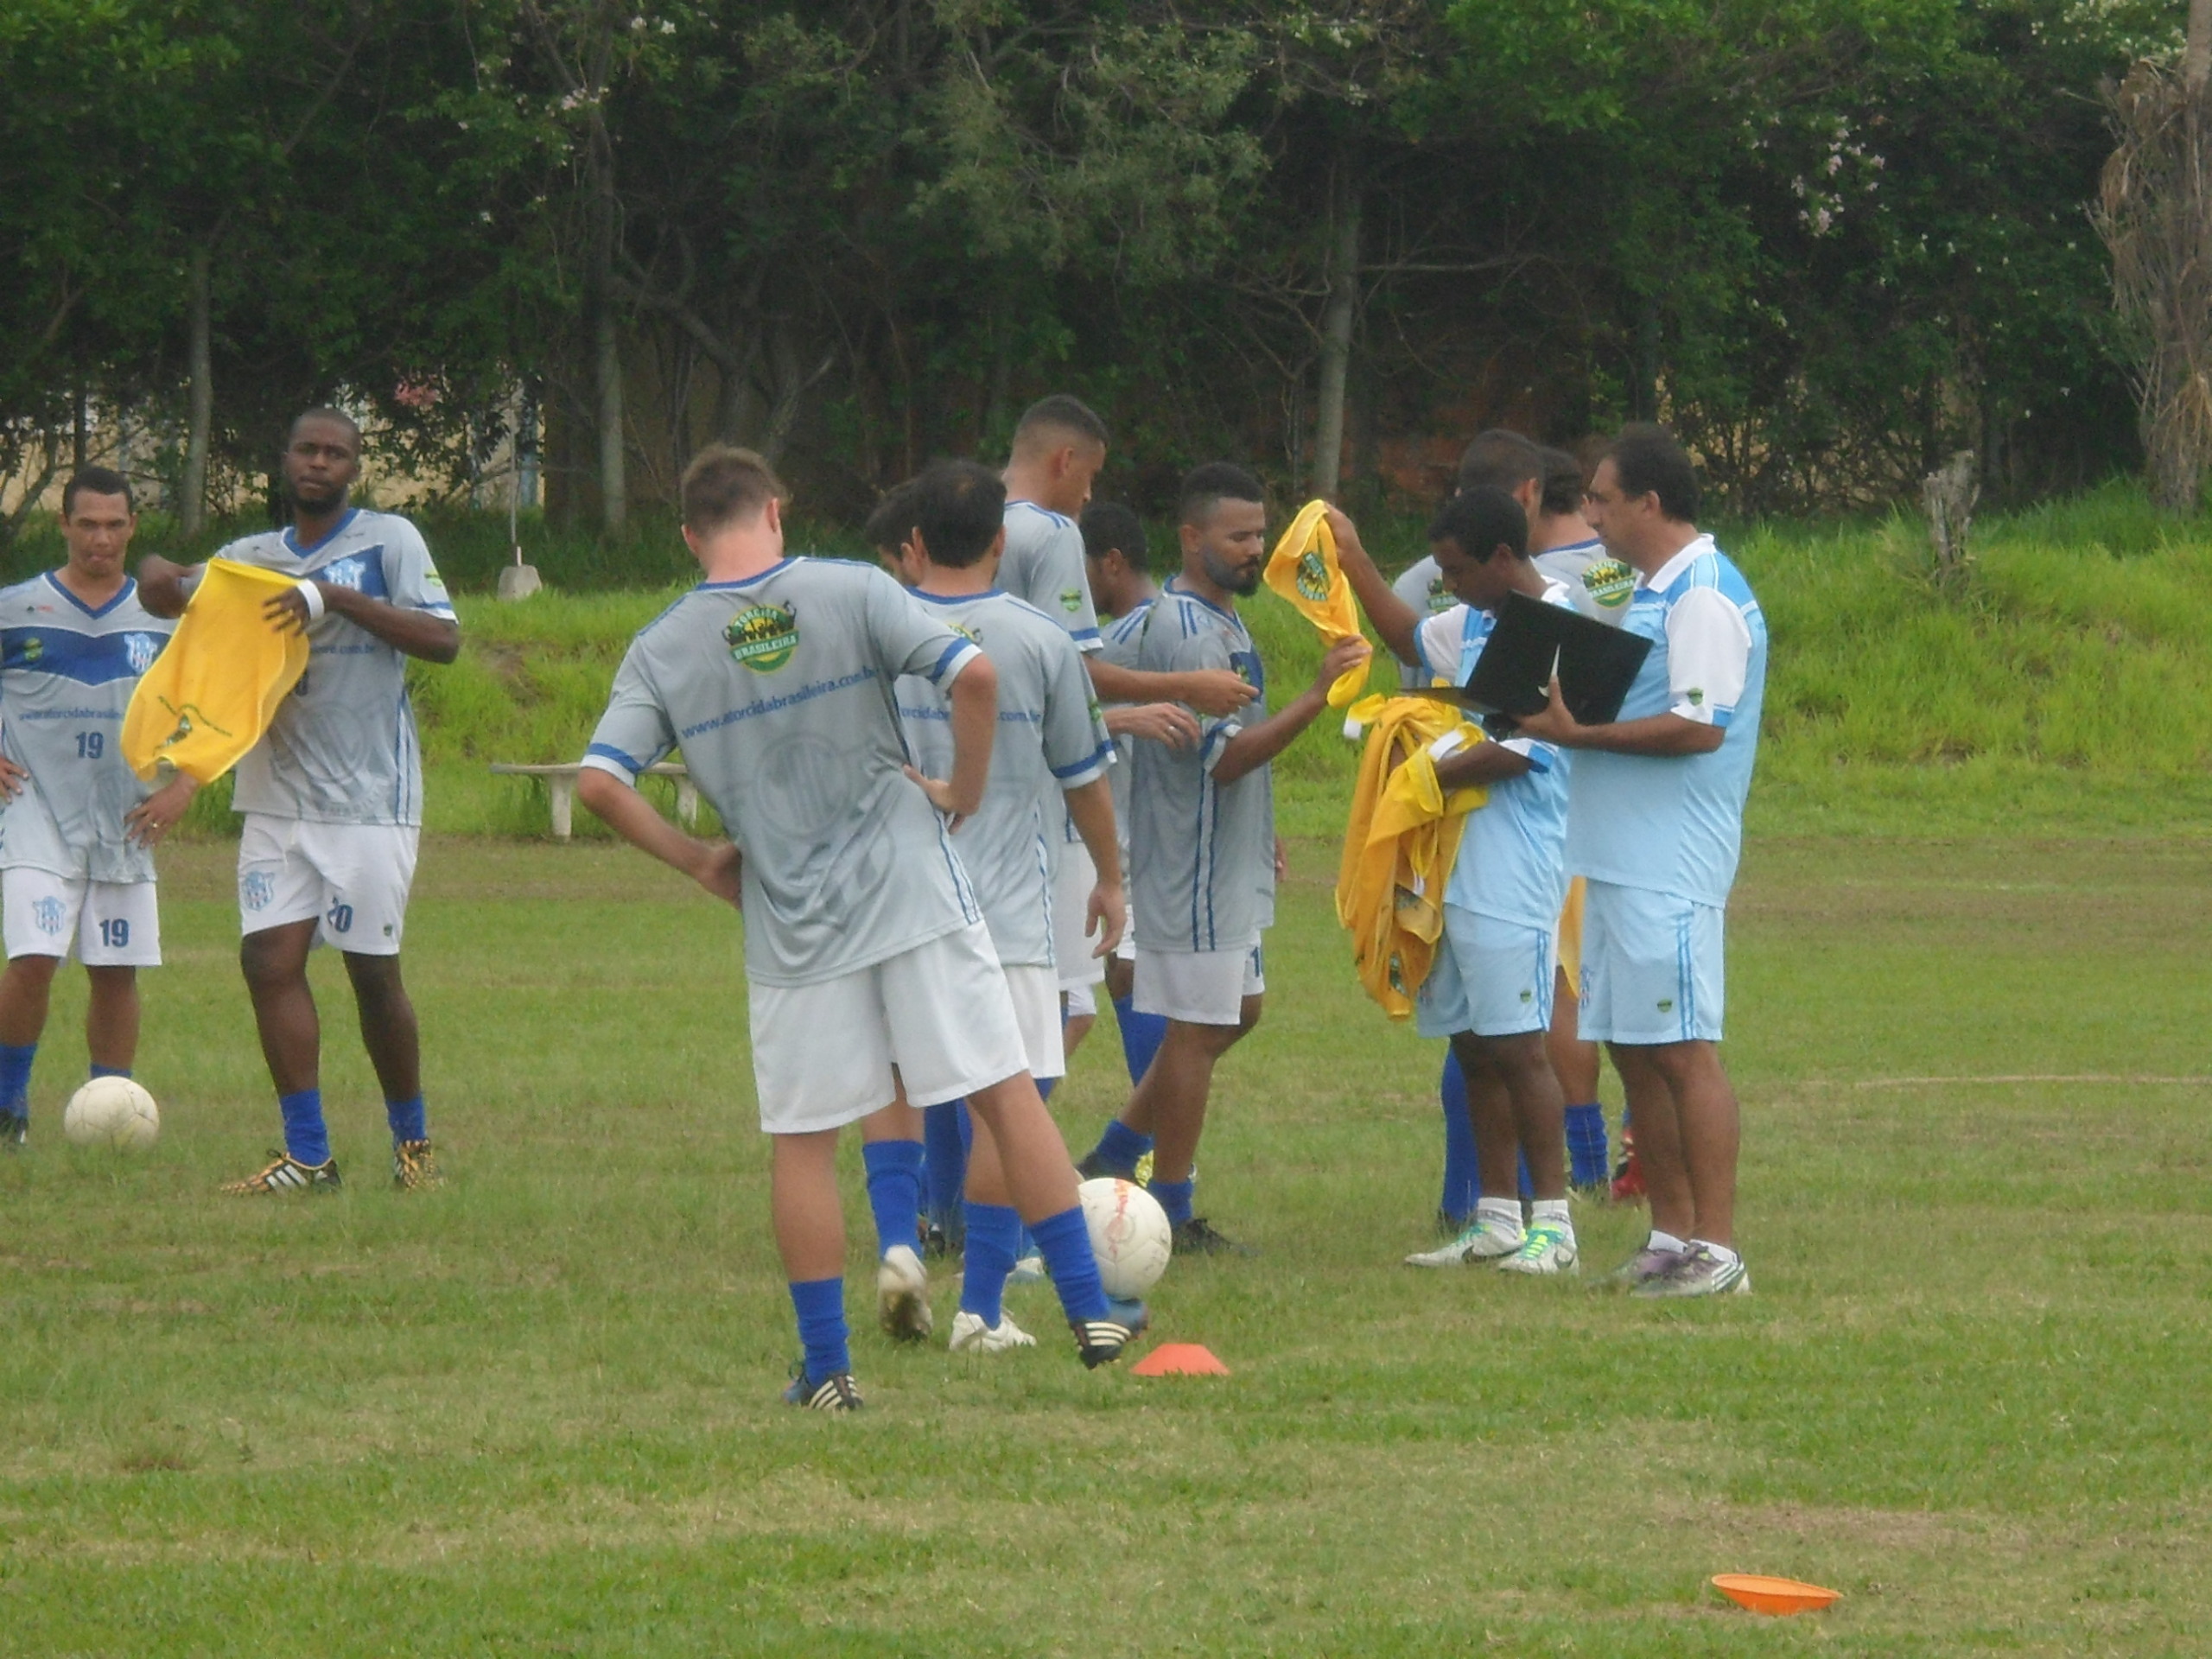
1399, 845
1570, 937
1303, 568
211, 694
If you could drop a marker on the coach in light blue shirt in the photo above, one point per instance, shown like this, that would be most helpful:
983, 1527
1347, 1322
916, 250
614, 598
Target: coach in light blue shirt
1655, 822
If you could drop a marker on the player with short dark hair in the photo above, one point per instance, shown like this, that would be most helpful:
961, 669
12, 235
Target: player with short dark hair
77, 827
1202, 835
868, 963
1490, 986
1656, 828
1050, 747
332, 793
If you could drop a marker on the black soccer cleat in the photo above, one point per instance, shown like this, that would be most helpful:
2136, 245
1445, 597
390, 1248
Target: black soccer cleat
286, 1173
835, 1392
1094, 1168
1100, 1342
1197, 1237
14, 1130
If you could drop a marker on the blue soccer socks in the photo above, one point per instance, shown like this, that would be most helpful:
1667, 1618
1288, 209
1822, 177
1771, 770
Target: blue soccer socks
1175, 1197
305, 1136
409, 1121
1586, 1146
942, 1134
820, 1304
1065, 1242
994, 1236
894, 1191
110, 1071
1118, 1149
1141, 1036
1462, 1182
16, 1078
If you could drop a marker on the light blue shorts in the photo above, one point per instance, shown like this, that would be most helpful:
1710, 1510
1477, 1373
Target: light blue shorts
1491, 977
1651, 967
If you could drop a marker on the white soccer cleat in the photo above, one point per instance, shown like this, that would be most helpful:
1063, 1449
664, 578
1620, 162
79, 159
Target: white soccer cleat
1545, 1247
971, 1336
902, 1295
1488, 1239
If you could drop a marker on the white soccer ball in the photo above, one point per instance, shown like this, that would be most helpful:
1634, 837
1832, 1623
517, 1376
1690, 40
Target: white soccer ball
111, 1112
1129, 1235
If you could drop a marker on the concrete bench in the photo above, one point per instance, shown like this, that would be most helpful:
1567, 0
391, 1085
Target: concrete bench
561, 786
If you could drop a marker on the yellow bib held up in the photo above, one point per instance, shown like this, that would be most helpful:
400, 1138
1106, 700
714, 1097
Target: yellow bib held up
1303, 568
208, 698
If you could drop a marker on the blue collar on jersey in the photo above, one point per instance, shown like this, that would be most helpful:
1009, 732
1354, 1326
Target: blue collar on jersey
956, 599
292, 544
129, 587
1199, 599
747, 581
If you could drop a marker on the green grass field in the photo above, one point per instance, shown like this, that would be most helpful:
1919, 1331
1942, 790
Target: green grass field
536, 1413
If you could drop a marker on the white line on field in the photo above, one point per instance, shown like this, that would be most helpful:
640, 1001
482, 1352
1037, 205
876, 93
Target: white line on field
2031, 1077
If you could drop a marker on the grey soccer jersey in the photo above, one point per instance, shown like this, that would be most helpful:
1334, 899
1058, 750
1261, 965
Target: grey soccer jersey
781, 691
1050, 739
1203, 853
67, 673
1422, 588
342, 747
1123, 638
1043, 563
1599, 583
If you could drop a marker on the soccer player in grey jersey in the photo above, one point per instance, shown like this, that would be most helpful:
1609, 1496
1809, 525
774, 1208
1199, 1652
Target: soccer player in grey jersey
77, 828
1051, 747
1059, 444
332, 794
868, 959
1202, 832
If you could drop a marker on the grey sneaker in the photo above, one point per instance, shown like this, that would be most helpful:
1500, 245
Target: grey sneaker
1698, 1272
1646, 1264
1491, 1239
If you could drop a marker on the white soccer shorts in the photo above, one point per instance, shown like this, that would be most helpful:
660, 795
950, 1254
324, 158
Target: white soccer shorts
1072, 948
1489, 977
1651, 967
1035, 989
104, 923
1199, 988
941, 1013
351, 878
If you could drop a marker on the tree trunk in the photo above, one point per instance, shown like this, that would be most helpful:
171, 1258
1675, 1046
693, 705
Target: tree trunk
192, 509
1339, 320
607, 367
1643, 393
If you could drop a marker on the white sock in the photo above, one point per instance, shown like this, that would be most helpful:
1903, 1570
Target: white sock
1726, 1257
1506, 1212
1553, 1211
1660, 1240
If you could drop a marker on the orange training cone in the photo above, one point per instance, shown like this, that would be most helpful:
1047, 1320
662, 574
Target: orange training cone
1179, 1359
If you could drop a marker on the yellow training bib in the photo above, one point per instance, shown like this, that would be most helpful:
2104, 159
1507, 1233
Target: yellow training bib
211, 694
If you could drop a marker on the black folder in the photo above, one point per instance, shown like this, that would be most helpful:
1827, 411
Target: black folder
1596, 663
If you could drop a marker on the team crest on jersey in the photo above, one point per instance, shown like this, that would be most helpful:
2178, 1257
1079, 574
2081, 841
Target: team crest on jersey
1070, 599
973, 636
1312, 576
256, 889
49, 914
1609, 582
763, 638
139, 650
348, 572
34, 648
1440, 596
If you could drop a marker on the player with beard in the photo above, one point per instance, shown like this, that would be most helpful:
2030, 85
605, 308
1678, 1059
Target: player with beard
332, 793
1201, 836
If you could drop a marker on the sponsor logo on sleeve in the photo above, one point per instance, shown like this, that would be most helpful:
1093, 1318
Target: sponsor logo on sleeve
763, 638
1071, 600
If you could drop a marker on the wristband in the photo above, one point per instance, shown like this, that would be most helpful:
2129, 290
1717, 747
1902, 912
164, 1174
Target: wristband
312, 596
1450, 743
